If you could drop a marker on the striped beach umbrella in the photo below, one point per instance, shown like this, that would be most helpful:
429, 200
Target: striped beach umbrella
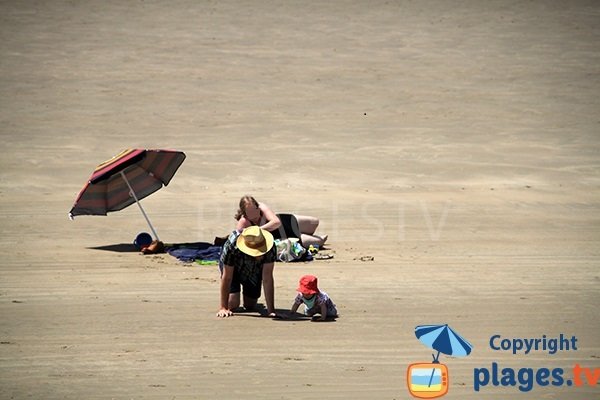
125, 179
443, 339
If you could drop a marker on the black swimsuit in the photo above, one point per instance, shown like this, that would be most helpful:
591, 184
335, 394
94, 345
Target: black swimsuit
289, 226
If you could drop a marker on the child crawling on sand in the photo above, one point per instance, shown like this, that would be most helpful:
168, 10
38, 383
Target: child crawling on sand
315, 301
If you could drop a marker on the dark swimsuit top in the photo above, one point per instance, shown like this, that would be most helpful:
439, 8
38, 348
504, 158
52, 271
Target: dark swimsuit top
289, 226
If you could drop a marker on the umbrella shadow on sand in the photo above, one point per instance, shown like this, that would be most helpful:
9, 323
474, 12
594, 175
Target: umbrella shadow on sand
118, 248
132, 248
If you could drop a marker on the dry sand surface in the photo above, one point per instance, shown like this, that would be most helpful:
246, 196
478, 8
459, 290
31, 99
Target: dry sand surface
455, 142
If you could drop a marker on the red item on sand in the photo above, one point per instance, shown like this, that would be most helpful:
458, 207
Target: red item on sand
308, 285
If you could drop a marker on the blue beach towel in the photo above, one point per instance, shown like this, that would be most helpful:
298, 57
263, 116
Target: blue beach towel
190, 252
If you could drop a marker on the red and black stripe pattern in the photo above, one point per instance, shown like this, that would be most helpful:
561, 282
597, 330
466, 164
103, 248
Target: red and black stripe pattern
146, 170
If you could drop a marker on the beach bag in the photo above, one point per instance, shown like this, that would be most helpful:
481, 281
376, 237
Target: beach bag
289, 250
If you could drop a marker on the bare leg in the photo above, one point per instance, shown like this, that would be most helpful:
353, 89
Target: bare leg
307, 224
315, 240
234, 301
249, 303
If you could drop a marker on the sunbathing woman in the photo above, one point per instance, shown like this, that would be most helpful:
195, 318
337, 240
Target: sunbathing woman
251, 212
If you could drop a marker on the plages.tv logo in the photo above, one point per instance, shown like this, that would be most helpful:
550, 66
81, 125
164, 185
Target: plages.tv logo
428, 380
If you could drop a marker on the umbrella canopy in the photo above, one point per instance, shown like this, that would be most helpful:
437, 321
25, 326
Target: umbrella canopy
126, 178
443, 339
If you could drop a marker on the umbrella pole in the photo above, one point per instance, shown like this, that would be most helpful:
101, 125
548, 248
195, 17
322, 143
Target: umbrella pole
139, 205
435, 361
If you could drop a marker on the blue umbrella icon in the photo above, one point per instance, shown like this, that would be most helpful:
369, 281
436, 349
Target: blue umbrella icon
443, 339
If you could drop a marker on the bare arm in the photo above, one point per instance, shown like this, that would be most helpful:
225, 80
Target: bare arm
294, 309
269, 286
273, 221
242, 224
226, 278
323, 311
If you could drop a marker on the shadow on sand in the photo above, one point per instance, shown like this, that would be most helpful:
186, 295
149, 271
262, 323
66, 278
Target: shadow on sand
118, 248
260, 311
131, 248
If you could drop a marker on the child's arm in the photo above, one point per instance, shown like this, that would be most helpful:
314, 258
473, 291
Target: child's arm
294, 309
323, 311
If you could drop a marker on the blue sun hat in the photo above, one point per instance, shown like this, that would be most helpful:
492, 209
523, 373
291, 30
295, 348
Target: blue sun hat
142, 240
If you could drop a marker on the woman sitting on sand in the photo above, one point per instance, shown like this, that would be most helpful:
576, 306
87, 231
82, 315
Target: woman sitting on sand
251, 212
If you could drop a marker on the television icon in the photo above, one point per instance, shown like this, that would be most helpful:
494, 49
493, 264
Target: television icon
427, 380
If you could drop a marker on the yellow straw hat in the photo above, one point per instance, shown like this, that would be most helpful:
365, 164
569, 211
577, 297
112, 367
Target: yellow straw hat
255, 241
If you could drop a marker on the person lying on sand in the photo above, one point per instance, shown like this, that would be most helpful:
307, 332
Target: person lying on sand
251, 212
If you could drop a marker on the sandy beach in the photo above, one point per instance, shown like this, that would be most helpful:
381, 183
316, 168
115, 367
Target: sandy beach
449, 148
